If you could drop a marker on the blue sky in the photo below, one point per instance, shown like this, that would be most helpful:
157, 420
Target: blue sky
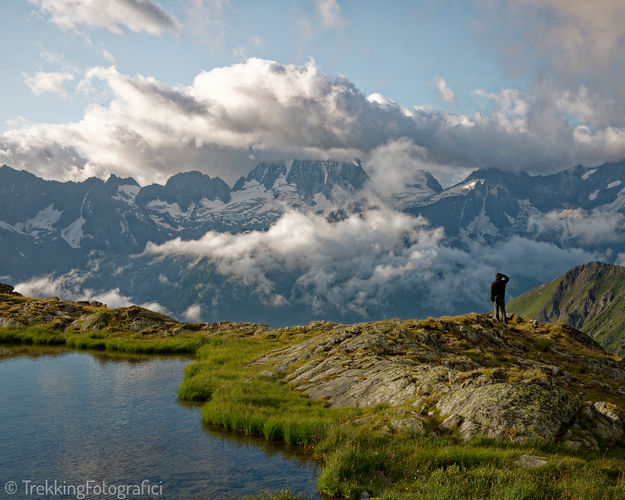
398, 49
517, 84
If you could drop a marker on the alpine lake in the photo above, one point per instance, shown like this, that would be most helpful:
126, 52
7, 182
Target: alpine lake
101, 425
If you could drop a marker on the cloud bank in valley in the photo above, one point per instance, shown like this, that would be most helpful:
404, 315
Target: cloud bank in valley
71, 286
360, 263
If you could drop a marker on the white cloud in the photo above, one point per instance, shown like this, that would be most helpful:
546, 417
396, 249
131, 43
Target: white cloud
193, 312
69, 286
369, 248
446, 95
107, 55
156, 307
136, 15
266, 111
42, 82
366, 260
330, 14
571, 226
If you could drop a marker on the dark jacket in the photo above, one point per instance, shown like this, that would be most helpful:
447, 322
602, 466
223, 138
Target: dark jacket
498, 287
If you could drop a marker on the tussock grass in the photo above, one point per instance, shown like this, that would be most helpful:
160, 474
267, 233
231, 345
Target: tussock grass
239, 397
35, 335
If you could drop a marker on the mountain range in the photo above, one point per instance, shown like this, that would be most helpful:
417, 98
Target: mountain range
89, 237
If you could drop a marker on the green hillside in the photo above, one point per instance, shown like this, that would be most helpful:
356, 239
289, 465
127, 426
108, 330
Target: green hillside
590, 298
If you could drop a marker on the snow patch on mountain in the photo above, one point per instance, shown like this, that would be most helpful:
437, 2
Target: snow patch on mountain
73, 233
588, 173
44, 220
127, 193
171, 209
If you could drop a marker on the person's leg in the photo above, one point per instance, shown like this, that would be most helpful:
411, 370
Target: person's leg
496, 311
503, 311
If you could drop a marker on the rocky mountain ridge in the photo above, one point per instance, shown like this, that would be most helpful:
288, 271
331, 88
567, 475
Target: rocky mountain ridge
468, 374
91, 235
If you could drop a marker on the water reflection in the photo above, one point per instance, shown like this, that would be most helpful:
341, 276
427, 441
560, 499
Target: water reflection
105, 416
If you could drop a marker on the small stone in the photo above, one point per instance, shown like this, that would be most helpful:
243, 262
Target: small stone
379, 475
412, 424
451, 422
572, 445
530, 461
364, 495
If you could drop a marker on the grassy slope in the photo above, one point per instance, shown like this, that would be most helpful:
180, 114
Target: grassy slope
605, 323
356, 457
533, 302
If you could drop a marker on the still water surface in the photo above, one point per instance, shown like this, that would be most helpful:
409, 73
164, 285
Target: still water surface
76, 417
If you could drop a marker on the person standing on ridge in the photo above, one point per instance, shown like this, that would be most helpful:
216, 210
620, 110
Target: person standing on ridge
498, 294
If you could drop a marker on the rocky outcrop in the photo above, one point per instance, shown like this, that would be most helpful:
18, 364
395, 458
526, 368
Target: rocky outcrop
466, 374
8, 289
510, 411
88, 316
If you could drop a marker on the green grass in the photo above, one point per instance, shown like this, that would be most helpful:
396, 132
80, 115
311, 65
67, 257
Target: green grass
370, 458
356, 457
239, 397
532, 303
34, 335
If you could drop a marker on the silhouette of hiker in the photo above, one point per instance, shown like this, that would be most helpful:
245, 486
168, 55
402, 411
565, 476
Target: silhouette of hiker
498, 294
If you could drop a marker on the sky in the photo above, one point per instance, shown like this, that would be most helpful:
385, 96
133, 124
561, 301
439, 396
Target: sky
148, 88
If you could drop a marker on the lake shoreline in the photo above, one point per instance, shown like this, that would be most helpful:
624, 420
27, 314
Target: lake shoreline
357, 454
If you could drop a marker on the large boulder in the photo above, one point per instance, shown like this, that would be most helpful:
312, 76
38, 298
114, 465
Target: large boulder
505, 410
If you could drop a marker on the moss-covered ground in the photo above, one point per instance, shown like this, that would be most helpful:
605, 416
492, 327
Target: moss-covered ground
357, 451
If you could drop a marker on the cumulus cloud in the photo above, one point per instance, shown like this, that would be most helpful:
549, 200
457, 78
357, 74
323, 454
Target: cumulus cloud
156, 307
362, 262
136, 15
398, 165
370, 248
445, 94
42, 82
266, 111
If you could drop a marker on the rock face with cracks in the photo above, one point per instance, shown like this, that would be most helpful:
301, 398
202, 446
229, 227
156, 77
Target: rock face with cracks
467, 374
